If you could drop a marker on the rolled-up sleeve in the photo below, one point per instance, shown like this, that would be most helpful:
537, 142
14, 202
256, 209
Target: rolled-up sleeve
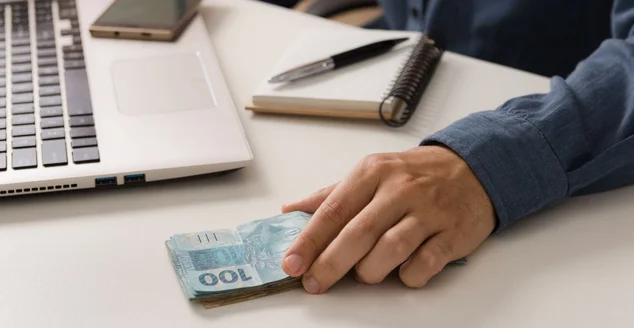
535, 151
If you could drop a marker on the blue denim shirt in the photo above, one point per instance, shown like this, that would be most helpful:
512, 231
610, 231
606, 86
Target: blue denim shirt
535, 151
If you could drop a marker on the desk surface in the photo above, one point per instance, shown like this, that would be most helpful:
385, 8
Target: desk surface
96, 259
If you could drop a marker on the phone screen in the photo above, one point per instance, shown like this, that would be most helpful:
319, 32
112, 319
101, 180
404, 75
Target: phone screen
156, 14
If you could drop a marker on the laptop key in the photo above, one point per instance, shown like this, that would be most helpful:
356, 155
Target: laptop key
23, 119
21, 50
3, 162
83, 132
53, 90
52, 122
3, 102
86, 155
3, 134
73, 55
57, 133
21, 59
83, 142
23, 142
82, 121
72, 48
22, 88
49, 80
54, 152
43, 44
22, 68
48, 70
47, 52
45, 34
23, 130
3, 146
23, 98
51, 111
3, 112
77, 92
51, 101
21, 42
22, 109
74, 64
24, 158
3, 123
22, 78
47, 61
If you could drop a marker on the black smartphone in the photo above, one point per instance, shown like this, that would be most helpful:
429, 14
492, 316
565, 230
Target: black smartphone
162, 20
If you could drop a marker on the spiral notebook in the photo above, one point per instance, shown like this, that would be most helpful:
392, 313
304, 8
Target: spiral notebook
388, 87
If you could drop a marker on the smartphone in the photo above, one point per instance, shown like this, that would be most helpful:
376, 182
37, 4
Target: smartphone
162, 20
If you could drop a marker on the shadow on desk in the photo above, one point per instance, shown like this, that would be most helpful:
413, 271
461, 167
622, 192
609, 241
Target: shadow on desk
552, 255
243, 184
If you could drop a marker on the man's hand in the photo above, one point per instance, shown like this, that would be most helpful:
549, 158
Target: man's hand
419, 210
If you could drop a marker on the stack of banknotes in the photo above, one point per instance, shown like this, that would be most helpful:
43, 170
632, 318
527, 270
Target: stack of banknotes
222, 267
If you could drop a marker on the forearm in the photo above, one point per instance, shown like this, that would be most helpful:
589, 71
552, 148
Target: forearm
535, 151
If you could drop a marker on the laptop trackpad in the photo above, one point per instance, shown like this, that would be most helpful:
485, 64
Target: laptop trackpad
161, 84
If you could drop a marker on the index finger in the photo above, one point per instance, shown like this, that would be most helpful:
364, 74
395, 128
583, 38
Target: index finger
343, 204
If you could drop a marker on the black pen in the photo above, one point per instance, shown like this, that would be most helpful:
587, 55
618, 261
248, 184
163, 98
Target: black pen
337, 61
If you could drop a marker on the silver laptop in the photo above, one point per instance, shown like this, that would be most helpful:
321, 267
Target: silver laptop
82, 112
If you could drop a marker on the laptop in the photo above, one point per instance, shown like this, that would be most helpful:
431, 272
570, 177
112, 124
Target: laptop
79, 112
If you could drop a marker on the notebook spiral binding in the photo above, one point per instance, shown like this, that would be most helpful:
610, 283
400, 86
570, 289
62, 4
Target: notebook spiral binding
414, 76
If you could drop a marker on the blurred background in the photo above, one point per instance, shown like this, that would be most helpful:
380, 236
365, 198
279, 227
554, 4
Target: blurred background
364, 13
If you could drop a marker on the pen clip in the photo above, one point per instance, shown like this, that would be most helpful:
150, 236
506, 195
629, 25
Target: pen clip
303, 71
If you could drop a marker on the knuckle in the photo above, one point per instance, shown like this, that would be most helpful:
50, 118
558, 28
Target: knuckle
334, 212
374, 163
429, 258
361, 229
435, 257
442, 200
399, 245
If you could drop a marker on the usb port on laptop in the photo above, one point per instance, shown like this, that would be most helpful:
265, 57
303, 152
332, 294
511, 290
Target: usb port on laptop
105, 182
134, 178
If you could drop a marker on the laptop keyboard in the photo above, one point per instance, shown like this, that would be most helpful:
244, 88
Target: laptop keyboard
45, 106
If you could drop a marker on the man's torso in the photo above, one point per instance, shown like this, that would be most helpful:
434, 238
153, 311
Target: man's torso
542, 36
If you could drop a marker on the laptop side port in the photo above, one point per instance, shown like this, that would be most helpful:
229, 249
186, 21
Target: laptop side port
134, 178
105, 182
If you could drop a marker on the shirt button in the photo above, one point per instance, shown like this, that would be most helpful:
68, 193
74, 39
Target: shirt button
414, 12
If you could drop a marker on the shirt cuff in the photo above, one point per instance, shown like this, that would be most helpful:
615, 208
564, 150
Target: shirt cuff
512, 159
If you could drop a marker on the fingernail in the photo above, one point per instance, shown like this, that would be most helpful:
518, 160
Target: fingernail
293, 263
311, 285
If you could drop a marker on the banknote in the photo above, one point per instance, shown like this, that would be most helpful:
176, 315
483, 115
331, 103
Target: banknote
217, 264
220, 267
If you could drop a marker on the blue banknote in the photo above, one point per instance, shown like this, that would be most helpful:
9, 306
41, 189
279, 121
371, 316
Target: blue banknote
217, 261
221, 262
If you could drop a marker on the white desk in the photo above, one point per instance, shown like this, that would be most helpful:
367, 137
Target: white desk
97, 259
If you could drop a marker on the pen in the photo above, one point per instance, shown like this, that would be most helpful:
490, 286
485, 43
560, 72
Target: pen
337, 61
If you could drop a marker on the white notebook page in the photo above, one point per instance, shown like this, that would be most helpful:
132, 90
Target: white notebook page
360, 86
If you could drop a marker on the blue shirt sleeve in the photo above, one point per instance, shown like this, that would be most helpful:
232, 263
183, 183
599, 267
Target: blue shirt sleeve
535, 151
